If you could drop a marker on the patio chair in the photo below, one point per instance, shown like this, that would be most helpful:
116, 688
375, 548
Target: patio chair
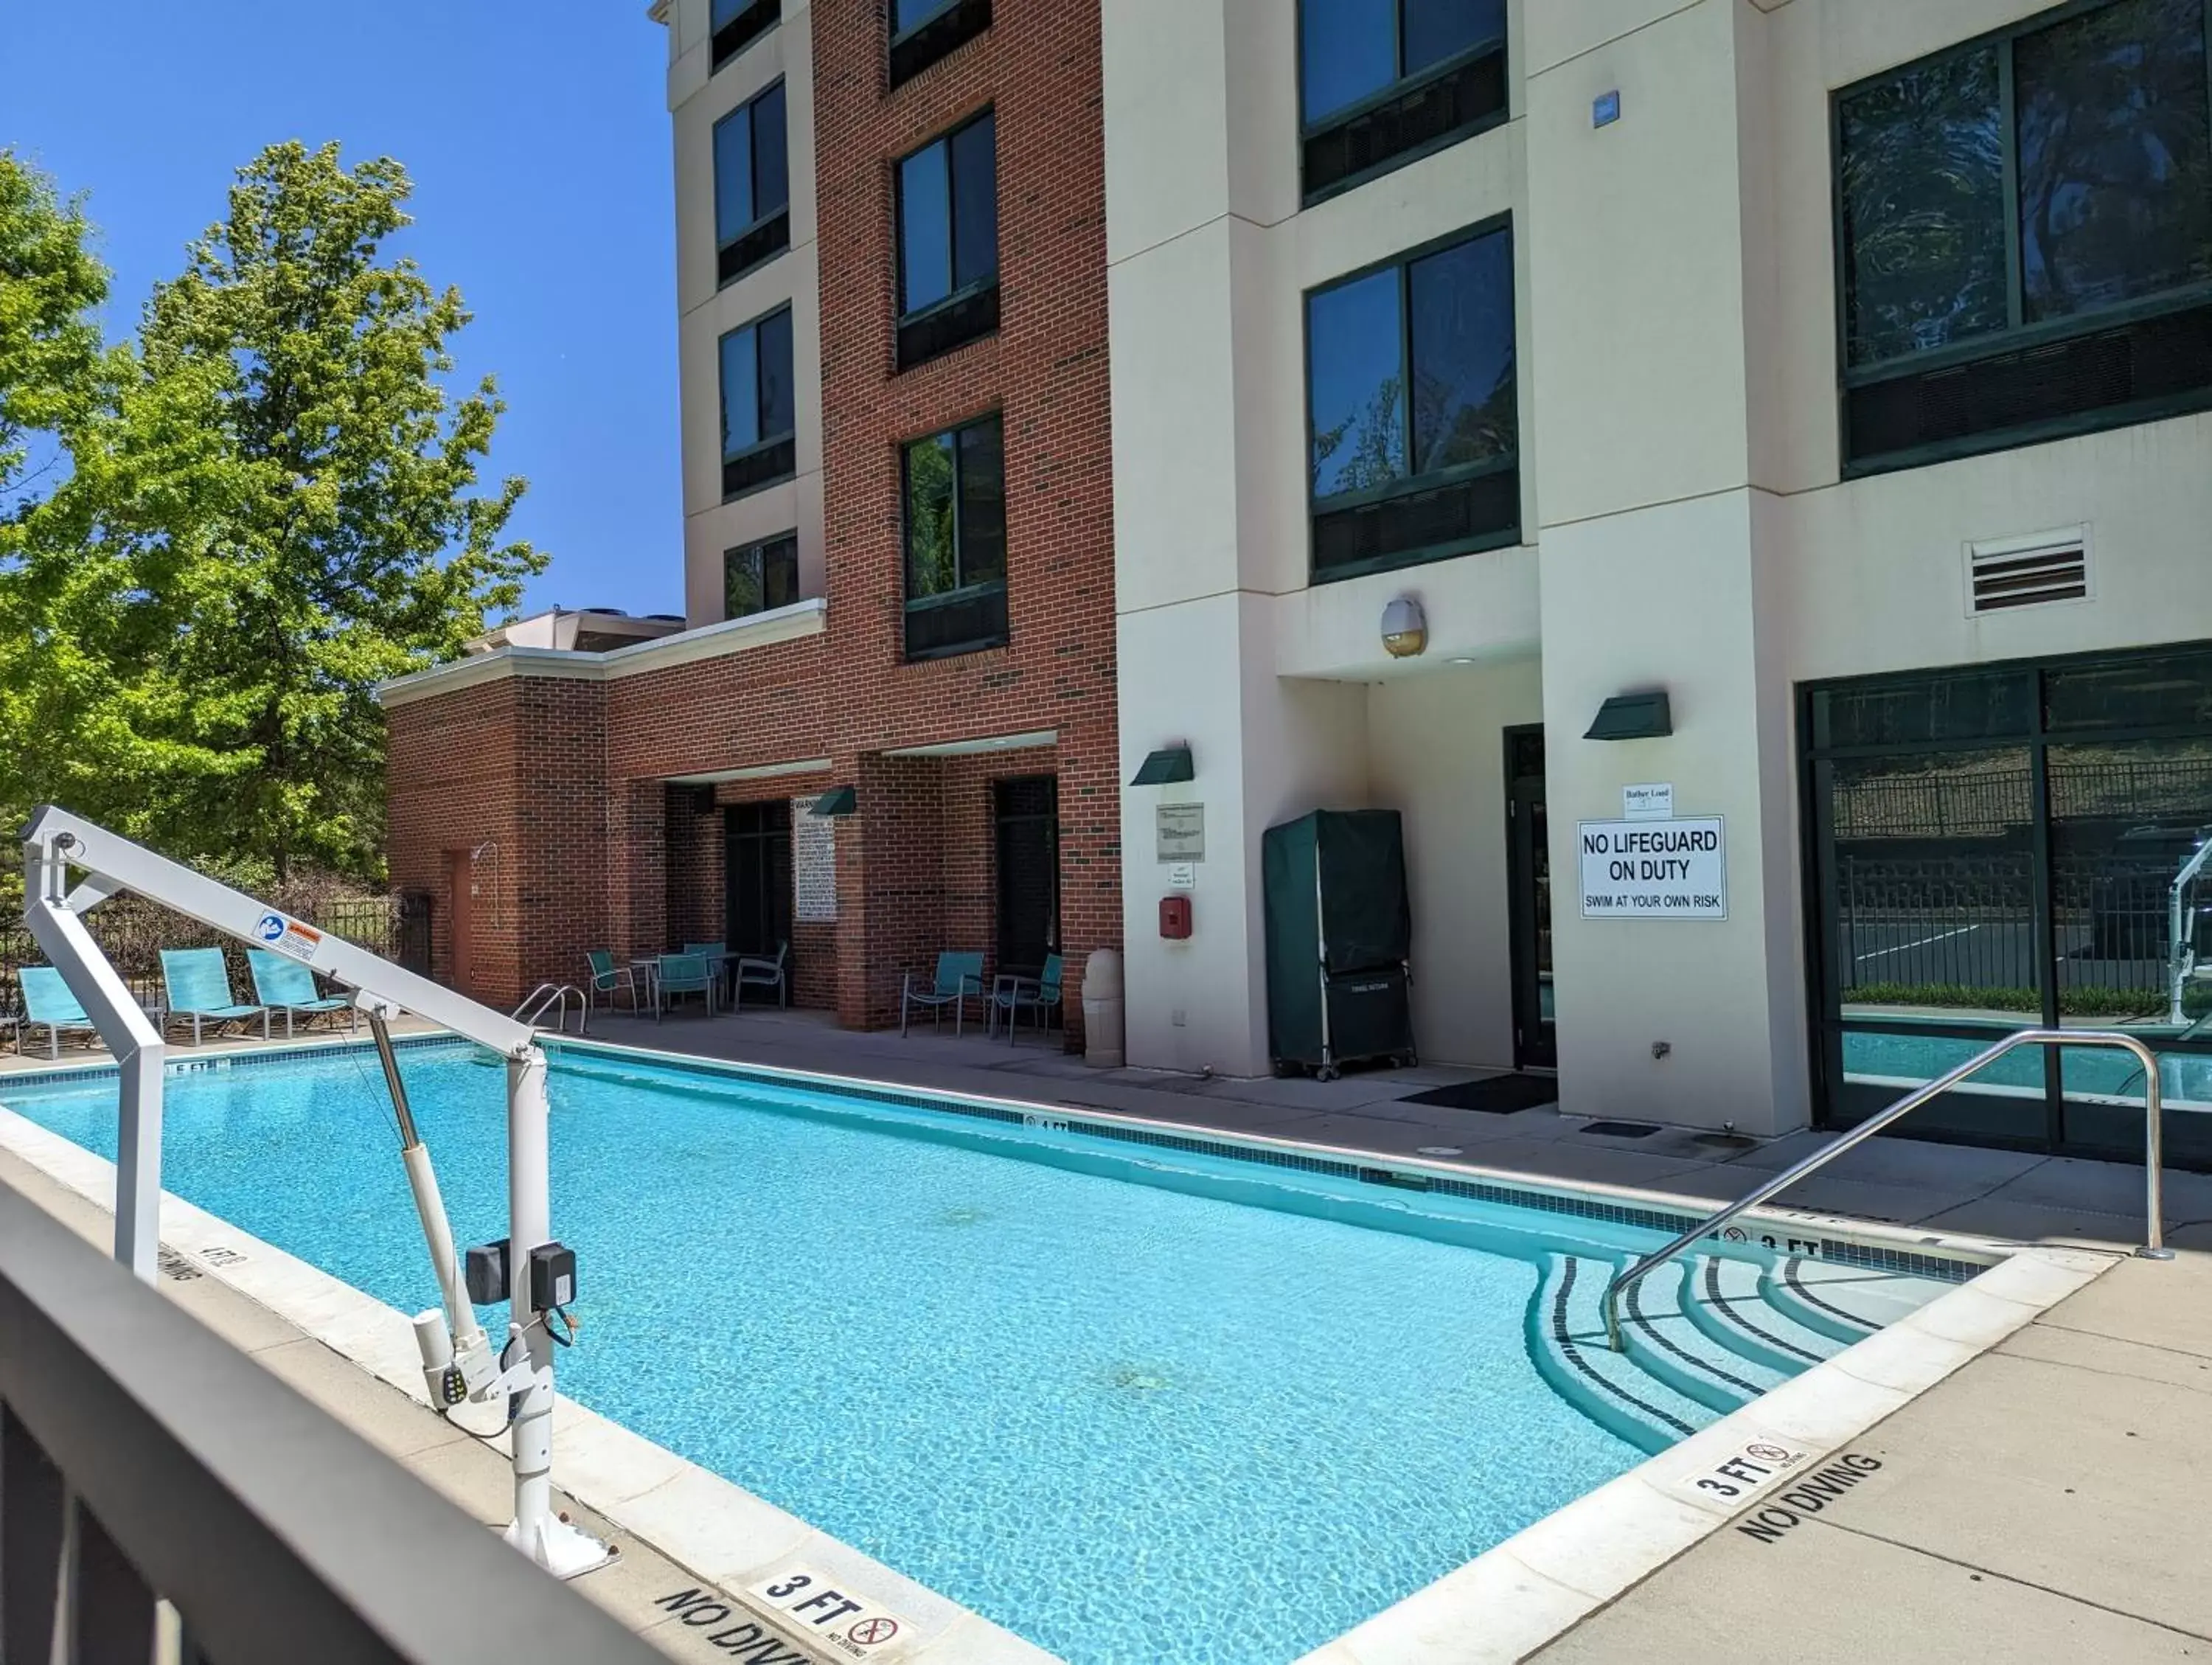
48, 1005
717, 956
765, 971
1014, 995
607, 977
958, 976
284, 985
198, 988
683, 974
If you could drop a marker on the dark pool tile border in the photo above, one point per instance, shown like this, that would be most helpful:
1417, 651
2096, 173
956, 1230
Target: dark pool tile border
229, 1061
1943, 1267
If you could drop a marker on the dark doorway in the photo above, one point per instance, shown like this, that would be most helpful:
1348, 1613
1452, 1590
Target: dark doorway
461, 920
1028, 813
1528, 879
756, 851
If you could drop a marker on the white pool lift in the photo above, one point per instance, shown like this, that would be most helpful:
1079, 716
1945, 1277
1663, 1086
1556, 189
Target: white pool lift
535, 1273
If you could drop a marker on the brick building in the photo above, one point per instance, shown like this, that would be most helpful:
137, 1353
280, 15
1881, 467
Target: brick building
899, 545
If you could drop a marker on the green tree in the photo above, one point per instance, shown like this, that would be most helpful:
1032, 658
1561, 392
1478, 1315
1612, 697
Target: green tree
277, 510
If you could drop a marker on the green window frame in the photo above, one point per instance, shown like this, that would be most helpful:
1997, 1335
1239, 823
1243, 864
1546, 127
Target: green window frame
2012, 383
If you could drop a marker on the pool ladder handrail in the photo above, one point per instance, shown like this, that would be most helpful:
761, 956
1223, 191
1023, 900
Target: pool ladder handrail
2153, 1247
554, 998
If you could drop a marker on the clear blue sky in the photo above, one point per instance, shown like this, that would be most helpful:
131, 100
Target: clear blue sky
538, 139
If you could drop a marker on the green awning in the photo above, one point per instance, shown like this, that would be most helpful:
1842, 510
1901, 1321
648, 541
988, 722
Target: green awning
838, 800
1165, 766
1632, 717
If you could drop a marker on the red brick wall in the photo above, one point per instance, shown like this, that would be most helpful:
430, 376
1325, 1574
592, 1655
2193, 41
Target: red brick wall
567, 776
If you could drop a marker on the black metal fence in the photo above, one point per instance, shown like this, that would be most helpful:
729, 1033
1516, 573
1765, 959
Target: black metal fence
1961, 931
144, 1460
133, 932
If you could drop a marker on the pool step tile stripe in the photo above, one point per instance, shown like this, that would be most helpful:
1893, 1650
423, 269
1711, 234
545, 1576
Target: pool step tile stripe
1846, 1301
1666, 1340
1731, 1306
1567, 1340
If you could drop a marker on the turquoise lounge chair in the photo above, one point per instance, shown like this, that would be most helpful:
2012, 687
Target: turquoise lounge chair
958, 976
48, 1005
607, 978
286, 985
1040, 995
198, 988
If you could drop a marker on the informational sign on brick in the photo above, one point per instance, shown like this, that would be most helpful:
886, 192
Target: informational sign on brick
813, 863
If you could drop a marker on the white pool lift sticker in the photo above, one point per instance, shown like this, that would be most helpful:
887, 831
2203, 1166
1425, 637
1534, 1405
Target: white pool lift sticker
288, 936
830, 1613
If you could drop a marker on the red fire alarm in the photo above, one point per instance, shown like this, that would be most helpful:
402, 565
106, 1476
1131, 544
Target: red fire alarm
1174, 918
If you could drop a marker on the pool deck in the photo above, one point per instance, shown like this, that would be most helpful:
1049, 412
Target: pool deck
2042, 1502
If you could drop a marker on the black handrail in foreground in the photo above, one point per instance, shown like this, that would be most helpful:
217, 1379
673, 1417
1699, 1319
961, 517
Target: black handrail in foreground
2153, 1247
142, 1456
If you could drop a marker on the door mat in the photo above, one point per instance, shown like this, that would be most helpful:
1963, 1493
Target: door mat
1496, 1095
1623, 1129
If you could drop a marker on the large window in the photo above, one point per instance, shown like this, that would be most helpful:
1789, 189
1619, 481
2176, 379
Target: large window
760, 576
948, 242
1414, 430
758, 410
923, 31
752, 185
955, 488
2026, 228
736, 24
1382, 82
1998, 847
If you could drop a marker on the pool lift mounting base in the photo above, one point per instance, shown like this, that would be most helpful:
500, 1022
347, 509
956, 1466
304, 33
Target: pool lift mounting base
458, 1363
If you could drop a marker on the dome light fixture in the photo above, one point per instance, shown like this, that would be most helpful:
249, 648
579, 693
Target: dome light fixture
1405, 628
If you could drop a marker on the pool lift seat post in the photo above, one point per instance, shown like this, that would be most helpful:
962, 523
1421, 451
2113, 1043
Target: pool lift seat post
456, 1358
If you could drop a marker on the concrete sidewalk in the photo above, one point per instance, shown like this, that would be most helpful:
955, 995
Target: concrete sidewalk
2045, 1503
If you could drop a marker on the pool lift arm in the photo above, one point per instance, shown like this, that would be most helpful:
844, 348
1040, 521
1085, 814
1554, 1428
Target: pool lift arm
459, 1362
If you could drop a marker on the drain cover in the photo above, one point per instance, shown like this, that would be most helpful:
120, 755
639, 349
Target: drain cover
1623, 1129
1440, 1150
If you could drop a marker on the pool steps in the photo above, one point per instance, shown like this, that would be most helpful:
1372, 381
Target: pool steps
1703, 1337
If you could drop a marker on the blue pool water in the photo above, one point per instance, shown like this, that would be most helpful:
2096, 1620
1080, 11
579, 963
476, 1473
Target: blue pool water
2095, 1072
1133, 1424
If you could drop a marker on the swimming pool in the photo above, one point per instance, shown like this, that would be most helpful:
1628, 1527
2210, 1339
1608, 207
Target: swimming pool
1218, 1415
1907, 1061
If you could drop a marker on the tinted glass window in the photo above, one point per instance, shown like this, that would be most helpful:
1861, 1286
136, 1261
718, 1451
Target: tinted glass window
725, 10
931, 562
949, 214
2155, 691
2115, 156
733, 174
1464, 406
925, 230
740, 392
760, 577
1924, 208
771, 153
1437, 29
982, 504
905, 13
1347, 50
1965, 705
757, 394
778, 415
975, 202
1356, 348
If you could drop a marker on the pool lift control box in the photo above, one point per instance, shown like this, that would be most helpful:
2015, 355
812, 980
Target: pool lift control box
459, 1364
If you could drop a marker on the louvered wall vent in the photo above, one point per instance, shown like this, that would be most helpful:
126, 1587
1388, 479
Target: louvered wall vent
2027, 571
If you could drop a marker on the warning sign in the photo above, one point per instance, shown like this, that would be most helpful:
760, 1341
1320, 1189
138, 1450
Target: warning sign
288, 936
1670, 869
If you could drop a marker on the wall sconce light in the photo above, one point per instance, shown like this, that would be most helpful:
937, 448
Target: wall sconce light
1405, 628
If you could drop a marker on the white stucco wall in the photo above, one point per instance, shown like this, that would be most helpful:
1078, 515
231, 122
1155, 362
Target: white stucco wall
696, 102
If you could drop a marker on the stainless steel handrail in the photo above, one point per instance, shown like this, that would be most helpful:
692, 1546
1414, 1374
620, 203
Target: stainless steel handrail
2153, 1105
554, 997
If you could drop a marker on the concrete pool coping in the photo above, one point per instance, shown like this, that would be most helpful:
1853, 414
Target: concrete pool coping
1502, 1605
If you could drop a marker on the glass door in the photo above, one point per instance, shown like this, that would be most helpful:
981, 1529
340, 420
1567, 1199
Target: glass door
1528, 879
